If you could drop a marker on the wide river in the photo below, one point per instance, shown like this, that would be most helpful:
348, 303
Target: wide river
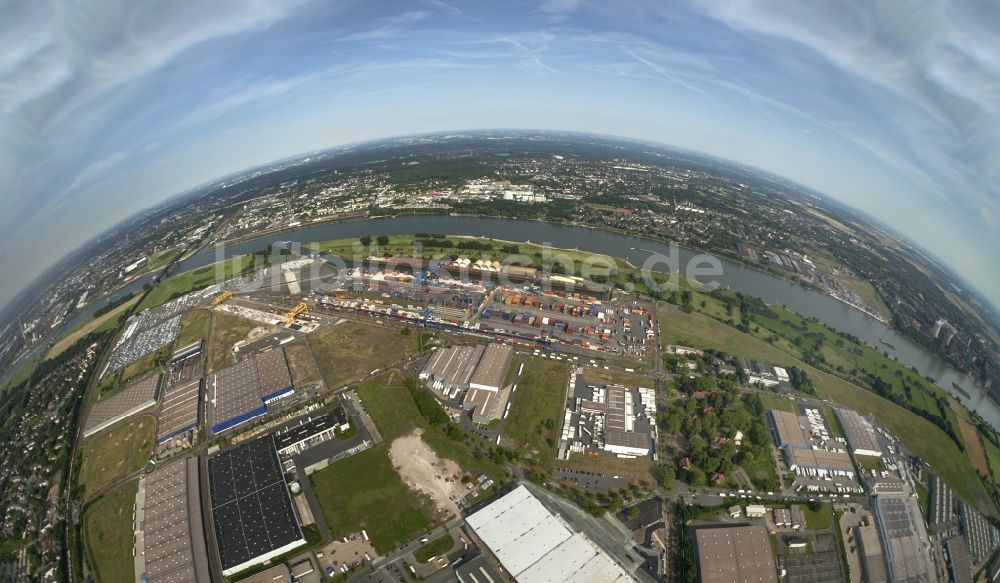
637, 250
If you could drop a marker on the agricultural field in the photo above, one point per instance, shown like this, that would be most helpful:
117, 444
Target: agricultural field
115, 453
536, 411
993, 455
195, 325
919, 435
107, 535
349, 350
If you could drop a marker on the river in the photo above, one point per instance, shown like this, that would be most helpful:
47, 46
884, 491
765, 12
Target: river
637, 250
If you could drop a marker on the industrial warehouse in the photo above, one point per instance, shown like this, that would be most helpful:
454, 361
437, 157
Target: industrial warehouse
477, 372
242, 392
610, 418
137, 396
859, 433
737, 553
170, 541
803, 456
902, 529
310, 430
178, 412
534, 545
254, 516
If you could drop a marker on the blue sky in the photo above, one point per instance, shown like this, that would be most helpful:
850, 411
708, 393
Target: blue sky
109, 107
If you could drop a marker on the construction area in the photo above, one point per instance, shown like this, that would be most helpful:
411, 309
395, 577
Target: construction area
169, 537
137, 396
243, 391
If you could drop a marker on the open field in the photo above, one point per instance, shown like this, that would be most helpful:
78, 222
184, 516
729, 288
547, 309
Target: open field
195, 325
817, 519
188, 281
609, 377
635, 469
536, 411
919, 435
348, 350
146, 363
993, 455
107, 535
774, 402
115, 453
97, 324
226, 331
973, 446
395, 415
403, 246
365, 492
301, 363
434, 548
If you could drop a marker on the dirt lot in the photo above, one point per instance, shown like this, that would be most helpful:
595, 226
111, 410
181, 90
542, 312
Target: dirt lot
425, 472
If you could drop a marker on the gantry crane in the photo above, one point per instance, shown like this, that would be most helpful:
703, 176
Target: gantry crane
295, 312
222, 297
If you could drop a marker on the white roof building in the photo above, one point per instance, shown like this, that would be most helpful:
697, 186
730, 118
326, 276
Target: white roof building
534, 545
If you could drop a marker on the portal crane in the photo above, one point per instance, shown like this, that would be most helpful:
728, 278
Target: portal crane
222, 297
295, 312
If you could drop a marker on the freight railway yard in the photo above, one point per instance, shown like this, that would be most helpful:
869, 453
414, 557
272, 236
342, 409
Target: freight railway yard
376, 424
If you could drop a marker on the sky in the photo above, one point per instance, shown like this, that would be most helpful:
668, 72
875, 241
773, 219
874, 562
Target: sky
109, 107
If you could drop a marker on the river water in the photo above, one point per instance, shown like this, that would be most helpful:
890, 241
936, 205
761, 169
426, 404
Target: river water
637, 250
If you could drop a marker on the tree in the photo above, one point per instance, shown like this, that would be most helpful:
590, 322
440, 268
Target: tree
382, 239
366, 240
696, 477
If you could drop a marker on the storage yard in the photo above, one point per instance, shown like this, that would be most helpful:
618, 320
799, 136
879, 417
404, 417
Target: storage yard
137, 396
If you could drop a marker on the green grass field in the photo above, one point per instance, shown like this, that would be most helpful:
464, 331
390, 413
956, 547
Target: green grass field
115, 453
365, 492
993, 455
195, 325
919, 435
107, 535
395, 414
195, 279
775, 402
434, 548
536, 410
817, 519
348, 350
146, 363
226, 331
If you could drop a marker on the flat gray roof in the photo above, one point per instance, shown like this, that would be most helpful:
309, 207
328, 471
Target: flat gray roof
788, 432
859, 433
492, 366
737, 554
173, 536
135, 397
179, 409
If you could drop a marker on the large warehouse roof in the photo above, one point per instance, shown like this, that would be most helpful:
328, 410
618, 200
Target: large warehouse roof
492, 367
534, 545
859, 433
135, 397
738, 554
788, 432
